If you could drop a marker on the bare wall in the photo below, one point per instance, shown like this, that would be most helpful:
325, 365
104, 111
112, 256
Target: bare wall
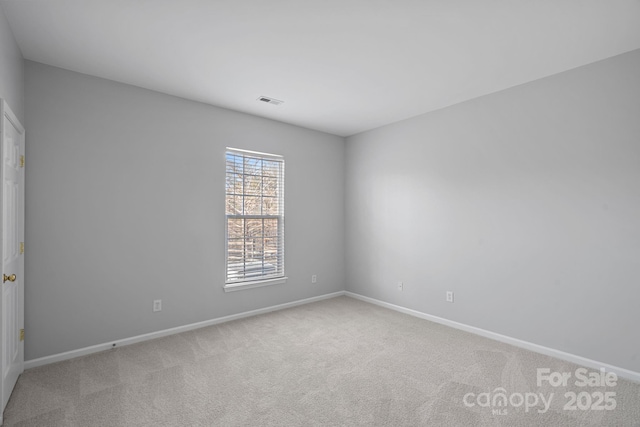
525, 203
11, 69
125, 204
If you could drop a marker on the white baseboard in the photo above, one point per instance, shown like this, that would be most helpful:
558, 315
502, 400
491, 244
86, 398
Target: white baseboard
622, 372
127, 341
579, 360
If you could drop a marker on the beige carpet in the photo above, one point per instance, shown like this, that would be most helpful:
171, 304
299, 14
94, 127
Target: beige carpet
338, 362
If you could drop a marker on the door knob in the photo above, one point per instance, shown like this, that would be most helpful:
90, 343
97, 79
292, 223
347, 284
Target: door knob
11, 278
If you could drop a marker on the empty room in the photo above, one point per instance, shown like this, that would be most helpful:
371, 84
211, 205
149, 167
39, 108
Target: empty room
310, 213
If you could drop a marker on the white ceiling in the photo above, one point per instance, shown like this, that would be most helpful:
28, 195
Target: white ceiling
341, 66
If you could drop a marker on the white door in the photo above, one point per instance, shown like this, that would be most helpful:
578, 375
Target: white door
12, 302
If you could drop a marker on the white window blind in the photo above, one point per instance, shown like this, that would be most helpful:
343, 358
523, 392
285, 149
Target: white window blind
254, 216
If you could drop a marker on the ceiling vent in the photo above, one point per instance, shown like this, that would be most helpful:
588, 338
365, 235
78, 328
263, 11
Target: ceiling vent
271, 101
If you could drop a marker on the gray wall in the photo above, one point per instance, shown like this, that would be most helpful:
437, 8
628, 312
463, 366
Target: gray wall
525, 203
11, 69
125, 204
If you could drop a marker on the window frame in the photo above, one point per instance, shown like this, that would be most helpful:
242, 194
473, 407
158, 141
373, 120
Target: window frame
264, 279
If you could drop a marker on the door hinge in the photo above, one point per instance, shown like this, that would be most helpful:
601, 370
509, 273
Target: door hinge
21, 247
22, 161
21, 334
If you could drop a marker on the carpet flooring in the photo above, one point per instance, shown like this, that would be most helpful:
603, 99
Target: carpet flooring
337, 362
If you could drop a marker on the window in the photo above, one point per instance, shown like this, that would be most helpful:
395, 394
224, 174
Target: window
254, 205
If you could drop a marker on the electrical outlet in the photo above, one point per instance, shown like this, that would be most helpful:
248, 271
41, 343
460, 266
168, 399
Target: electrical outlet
157, 305
400, 286
449, 296
314, 278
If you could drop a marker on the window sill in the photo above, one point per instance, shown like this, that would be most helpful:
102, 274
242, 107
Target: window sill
232, 287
